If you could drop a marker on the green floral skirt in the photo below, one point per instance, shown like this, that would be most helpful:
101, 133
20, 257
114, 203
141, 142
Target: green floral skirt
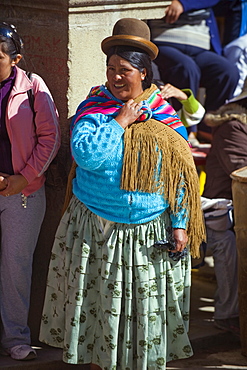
115, 300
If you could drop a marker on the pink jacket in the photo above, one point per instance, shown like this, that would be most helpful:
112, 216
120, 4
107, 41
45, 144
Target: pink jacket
33, 145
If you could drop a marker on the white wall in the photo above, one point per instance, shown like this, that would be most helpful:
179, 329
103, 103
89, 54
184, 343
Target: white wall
89, 23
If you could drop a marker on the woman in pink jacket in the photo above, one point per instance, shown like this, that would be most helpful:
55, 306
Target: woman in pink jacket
28, 143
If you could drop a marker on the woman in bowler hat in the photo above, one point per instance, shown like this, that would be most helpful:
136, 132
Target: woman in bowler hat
118, 286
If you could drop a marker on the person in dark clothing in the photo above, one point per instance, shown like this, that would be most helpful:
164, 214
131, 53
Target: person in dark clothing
227, 154
232, 15
190, 52
232, 19
229, 151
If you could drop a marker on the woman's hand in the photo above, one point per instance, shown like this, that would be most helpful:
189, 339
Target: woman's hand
15, 184
3, 183
170, 91
173, 11
180, 238
3, 174
129, 113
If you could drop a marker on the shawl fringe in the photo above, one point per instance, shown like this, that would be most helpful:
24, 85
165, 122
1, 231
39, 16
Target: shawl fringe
158, 159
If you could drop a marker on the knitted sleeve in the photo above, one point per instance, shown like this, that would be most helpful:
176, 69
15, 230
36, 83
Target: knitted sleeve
180, 219
93, 139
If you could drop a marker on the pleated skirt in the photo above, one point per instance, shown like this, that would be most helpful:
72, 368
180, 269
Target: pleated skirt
114, 299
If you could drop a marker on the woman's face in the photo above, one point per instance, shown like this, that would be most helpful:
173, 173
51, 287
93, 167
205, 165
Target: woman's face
6, 64
125, 81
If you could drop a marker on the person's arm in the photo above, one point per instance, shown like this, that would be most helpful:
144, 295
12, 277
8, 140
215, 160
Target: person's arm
46, 129
15, 184
173, 11
94, 139
234, 52
180, 239
189, 5
129, 113
3, 182
179, 219
169, 91
179, 223
230, 139
192, 111
177, 7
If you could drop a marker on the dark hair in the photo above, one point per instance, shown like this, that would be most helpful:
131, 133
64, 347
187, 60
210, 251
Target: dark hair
11, 43
137, 58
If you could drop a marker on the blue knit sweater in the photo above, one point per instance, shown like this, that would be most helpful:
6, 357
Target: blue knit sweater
97, 146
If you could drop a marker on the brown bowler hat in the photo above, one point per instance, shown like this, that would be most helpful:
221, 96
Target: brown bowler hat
131, 32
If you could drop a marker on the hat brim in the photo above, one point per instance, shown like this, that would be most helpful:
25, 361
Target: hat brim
128, 40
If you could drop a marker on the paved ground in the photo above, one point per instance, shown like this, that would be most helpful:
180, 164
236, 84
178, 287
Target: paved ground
213, 348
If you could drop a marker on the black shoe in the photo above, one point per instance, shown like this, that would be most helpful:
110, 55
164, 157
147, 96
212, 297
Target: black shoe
231, 325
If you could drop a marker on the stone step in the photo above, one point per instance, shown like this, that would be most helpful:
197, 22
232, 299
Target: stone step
49, 358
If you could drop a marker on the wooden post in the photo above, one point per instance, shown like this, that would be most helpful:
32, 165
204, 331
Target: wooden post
239, 191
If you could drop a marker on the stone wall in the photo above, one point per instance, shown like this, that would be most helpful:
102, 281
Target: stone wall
62, 44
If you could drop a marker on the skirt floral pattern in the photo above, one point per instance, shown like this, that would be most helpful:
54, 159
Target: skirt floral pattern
115, 300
